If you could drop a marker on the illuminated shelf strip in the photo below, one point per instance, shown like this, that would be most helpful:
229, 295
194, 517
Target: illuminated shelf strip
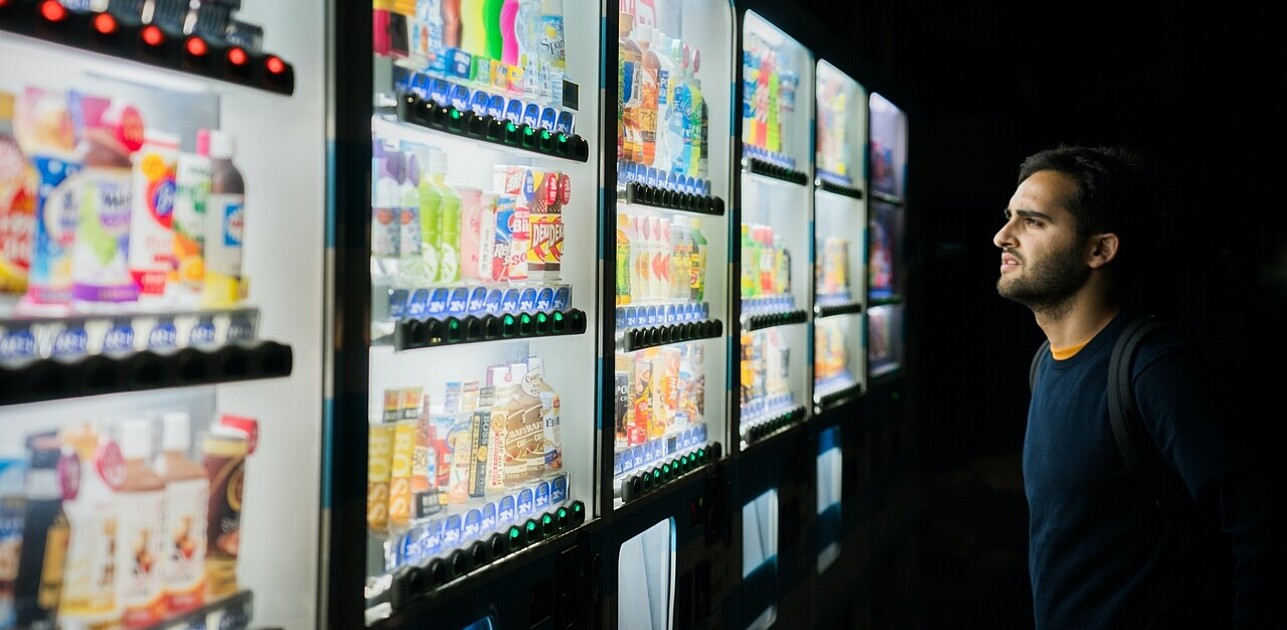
884, 300
829, 310
633, 339
429, 114
835, 399
879, 195
634, 486
764, 428
415, 582
450, 331
768, 169
116, 36
92, 375
769, 320
645, 195
832, 187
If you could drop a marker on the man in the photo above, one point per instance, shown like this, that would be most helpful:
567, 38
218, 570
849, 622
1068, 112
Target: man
1102, 553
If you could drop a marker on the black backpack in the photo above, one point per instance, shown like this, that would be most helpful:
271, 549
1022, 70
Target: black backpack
1138, 450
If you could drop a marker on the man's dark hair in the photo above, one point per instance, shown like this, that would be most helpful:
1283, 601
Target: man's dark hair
1114, 193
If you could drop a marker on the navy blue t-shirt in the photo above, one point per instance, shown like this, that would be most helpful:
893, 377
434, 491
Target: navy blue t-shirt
1101, 553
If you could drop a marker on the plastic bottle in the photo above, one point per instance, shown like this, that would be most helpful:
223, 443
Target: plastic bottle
529, 45
412, 270
223, 455
473, 31
631, 70
151, 232
89, 584
509, 33
139, 547
649, 85
225, 225
525, 430
385, 234
697, 270
39, 580
449, 233
109, 216
494, 41
695, 121
552, 440
678, 131
430, 197
666, 79
624, 274
187, 494
17, 204
451, 23
191, 196
553, 53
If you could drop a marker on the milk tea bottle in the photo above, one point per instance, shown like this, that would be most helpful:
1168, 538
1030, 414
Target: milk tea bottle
139, 513
187, 491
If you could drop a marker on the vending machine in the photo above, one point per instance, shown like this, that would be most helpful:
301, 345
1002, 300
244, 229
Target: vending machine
886, 258
479, 333
667, 311
162, 197
773, 266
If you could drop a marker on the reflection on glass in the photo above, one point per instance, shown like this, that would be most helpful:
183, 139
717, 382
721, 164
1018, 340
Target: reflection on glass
645, 579
830, 469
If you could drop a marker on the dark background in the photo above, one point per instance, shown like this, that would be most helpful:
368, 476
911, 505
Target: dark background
1200, 89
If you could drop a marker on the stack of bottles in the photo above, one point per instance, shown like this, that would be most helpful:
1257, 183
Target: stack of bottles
833, 271
488, 451
766, 269
511, 46
833, 132
765, 372
662, 119
830, 356
768, 95
659, 393
426, 232
106, 533
660, 260
99, 213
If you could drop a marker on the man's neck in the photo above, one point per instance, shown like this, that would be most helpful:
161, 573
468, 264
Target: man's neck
1079, 319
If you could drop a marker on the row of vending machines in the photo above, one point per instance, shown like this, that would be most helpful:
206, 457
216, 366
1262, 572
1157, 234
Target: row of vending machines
369, 291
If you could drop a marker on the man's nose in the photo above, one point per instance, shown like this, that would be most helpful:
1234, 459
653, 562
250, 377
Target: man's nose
1002, 238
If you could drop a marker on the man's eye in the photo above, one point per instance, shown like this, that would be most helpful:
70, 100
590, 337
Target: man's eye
1032, 222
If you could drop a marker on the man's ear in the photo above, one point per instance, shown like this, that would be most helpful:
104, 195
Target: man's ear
1103, 249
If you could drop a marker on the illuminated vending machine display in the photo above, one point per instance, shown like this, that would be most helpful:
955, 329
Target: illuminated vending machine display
885, 275
669, 247
161, 235
774, 238
840, 221
483, 267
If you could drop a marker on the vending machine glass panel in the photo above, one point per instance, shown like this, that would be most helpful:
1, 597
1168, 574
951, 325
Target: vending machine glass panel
484, 224
669, 252
774, 235
830, 473
646, 579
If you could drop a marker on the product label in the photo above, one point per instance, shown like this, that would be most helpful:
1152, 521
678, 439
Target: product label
120, 338
505, 511
184, 537
57, 213
488, 517
71, 341
164, 335
139, 550
223, 252
526, 502
17, 344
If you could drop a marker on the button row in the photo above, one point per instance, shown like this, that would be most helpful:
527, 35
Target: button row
644, 194
639, 338
427, 333
646, 481
413, 582
760, 429
769, 320
91, 375
839, 189
836, 398
828, 310
776, 171
466, 123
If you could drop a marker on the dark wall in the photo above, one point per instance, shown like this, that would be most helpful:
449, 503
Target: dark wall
1201, 89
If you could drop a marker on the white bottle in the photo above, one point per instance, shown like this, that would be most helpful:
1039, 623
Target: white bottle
183, 535
225, 224
89, 577
139, 514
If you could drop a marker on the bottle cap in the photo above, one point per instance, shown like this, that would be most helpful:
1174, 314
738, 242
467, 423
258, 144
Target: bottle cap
643, 34
175, 434
136, 439
203, 142
222, 144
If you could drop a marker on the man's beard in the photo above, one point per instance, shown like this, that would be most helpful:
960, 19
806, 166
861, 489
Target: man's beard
1046, 285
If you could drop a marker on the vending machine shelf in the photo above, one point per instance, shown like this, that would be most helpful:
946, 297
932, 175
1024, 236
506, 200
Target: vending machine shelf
831, 398
752, 322
768, 169
883, 299
410, 334
96, 374
467, 123
121, 36
632, 339
881, 195
829, 186
767, 425
838, 308
628, 488
659, 197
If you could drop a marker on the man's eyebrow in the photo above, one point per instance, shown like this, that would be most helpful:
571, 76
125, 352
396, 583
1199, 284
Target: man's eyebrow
1029, 214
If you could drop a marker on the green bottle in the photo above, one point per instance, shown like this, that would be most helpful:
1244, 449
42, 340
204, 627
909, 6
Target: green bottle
492, 23
697, 268
430, 191
449, 234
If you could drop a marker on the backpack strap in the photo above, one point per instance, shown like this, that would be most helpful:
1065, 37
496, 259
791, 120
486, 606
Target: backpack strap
1124, 416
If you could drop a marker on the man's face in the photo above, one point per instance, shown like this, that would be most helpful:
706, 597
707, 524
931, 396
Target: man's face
1042, 260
